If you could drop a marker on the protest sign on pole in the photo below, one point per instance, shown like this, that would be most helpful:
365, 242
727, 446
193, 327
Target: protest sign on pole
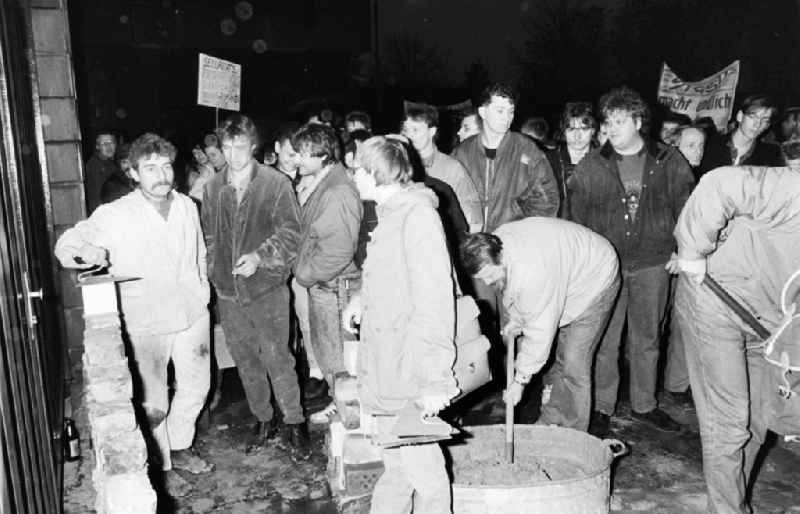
219, 83
713, 96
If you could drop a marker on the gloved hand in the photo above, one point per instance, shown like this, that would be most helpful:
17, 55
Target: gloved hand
695, 269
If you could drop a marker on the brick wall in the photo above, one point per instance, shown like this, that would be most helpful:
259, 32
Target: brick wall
120, 456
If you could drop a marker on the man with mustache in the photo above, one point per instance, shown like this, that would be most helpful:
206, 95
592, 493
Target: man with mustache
153, 233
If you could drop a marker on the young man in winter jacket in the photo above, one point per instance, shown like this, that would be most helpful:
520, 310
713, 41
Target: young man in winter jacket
406, 310
330, 221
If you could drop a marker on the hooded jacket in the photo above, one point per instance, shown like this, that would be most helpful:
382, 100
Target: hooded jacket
757, 211
516, 184
407, 344
599, 202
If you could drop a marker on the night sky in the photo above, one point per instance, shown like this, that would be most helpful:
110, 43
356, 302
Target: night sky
303, 52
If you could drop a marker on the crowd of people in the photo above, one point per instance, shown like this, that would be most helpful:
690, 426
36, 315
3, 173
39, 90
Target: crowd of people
577, 244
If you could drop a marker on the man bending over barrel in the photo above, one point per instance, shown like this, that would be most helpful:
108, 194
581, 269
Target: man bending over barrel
554, 275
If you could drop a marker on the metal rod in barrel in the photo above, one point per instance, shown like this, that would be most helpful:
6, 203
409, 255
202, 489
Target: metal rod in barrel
510, 340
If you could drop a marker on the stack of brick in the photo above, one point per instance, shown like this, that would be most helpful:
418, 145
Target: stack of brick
120, 474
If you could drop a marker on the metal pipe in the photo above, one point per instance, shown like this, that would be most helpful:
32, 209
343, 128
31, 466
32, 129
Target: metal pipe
736, 307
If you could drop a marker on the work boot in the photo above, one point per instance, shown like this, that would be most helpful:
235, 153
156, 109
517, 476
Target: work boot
683, 399
296, 435
600, 424
658, 419
315, 388
189, 460
263, 433
324, 416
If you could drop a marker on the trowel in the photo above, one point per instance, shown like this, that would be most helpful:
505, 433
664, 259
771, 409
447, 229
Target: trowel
410, 426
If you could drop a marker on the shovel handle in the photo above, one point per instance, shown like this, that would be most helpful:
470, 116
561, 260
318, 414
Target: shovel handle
510, 355
736, 307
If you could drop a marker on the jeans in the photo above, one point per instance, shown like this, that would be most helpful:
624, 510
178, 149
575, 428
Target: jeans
642, 301
414, 479
724, 376
570, 375
172, 424
676, 374
301, 311
326, 303
257, 334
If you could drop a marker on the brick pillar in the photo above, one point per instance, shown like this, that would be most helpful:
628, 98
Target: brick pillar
120, 474
58, 145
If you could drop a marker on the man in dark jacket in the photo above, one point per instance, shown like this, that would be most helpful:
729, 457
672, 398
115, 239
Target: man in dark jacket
742, 147
100, 166
512, 176
252, 223
330, 221
631, 191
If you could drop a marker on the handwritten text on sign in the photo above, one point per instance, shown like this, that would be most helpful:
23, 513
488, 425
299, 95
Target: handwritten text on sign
219, 83
713, 96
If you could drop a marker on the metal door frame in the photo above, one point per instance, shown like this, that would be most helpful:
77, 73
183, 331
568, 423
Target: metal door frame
32, 472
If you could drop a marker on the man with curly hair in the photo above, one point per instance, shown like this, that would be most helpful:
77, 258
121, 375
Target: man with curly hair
631, 191
153, 233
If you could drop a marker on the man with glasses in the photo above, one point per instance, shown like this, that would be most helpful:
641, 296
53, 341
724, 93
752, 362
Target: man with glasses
742, 147
631, 192
153, 233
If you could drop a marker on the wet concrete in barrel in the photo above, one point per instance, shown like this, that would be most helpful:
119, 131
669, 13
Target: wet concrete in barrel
662, 472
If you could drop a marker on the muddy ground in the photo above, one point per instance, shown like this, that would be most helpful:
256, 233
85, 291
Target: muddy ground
661, 474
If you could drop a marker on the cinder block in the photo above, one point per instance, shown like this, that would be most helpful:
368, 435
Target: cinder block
110, 390
101, 351
126, 494
105, 373
103, 322
117, 420
119, 453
